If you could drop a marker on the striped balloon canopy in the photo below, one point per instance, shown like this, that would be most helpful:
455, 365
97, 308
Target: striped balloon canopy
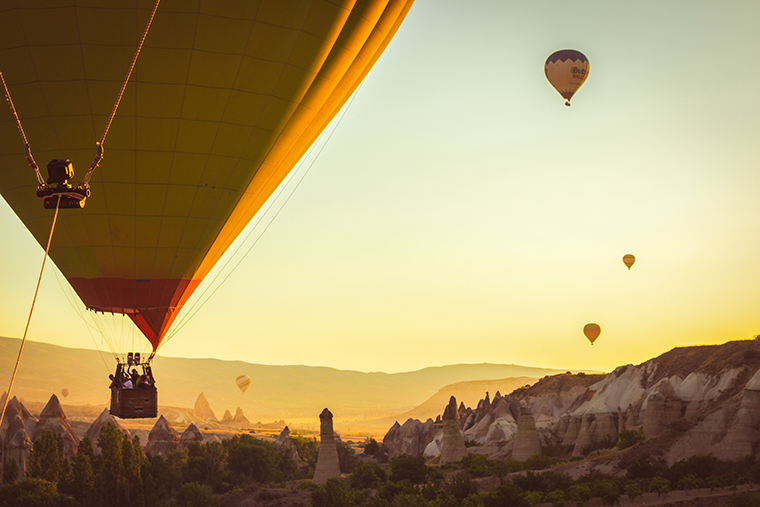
243, 381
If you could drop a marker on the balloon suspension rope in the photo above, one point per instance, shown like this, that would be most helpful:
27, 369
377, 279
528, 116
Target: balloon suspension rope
28, 320
27, 148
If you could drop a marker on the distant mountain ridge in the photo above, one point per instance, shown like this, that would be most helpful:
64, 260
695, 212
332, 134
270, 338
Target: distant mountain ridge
293, 392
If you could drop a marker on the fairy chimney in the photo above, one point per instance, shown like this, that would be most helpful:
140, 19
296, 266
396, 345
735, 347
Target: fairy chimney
452, 445
327, 458
162, 439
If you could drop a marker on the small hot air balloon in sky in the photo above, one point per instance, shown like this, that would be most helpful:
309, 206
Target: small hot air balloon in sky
566, 70
243, 381
592, 332
65, 393
628, 260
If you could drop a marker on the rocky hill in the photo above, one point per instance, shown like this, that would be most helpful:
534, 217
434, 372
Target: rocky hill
690, 400
297, 392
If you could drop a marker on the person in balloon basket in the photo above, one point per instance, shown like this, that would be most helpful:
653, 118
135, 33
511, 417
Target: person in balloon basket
115, 382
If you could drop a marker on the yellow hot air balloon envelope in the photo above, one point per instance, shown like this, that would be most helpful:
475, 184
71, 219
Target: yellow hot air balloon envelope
224, 100
243, 381
65, 393
566, 70
592, 332
628, 260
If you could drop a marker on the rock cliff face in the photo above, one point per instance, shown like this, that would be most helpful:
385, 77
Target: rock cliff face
693, 400
409, 439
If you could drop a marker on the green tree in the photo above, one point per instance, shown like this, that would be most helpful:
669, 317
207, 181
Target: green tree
308, 449
629, 438
110, 465
633, 489
557, 498
412, 468
371, 446
133, 457
82, 484
660, 485
10, 471
507, 494
160, 480
461, 486
192, 494
205, 463
579, 493
34, 492
688, 482
744, 499
533, 498
335, 493
258, 460
539, 462
347, 459
45, 458
367, 475
607, 491
477, 465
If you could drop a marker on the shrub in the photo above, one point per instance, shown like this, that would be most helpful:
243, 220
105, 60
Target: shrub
411, 468
367, 475
744, 499
192, 494
629, 438
539, 462
371, 447
256, 459
32, 493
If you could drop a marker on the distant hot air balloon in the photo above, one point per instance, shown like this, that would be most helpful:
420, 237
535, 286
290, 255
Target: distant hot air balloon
566, 70
592, 332
243, 381
225, 98
628, 260
65, 393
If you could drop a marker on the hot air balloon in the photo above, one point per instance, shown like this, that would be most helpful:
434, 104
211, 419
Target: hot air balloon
592, 332
628, 260
224, 100
65, 393
243, 381
566, 70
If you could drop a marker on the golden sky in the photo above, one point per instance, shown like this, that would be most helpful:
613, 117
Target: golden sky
460, 213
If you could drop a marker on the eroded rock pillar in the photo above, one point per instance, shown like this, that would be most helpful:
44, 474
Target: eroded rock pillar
327, 459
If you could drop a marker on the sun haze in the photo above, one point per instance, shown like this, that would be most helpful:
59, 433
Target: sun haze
456, 211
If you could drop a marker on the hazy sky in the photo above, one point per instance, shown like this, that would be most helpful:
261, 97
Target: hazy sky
461, 213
